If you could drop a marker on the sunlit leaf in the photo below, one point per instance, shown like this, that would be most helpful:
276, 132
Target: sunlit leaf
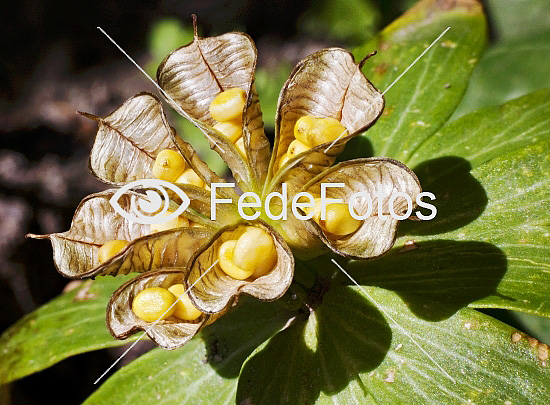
347, 351
506, 71
197, 373
503, 202
423, 100
70, 324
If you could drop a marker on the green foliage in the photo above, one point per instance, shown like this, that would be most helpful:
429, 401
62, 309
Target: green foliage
348, 352
352, 21
70, 324
488, 247
206, 372
508, 70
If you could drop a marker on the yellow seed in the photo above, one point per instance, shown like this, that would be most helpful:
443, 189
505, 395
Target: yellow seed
240, 147
152, 304
176, 222
228, 105
282, 161
190, 177
110, 249
338, 219
168, 165
314, 131
296, 147
225, 257
232, 130
185, 309
255, 251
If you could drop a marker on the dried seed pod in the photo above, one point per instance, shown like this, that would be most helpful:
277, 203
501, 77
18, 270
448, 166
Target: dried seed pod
376, 234
326, 84
129, 139
195, 74
94, 223
213, 291
169, 333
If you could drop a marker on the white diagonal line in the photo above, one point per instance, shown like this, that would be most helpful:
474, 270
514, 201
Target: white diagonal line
393, 320
153, 325
380, 95
160, 89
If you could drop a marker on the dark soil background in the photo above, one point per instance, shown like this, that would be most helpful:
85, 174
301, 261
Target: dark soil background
54, 62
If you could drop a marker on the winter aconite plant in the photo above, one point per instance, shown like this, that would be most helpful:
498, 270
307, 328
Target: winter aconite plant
408, 331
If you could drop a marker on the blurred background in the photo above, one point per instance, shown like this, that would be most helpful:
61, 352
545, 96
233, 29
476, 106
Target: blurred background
55, 62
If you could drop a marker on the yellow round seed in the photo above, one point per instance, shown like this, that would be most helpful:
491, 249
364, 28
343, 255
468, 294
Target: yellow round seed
177, 222
168, 165
282, 161
225, 257
338, 219
111, 248
296, 147
255, 251
314, 131
153, 303
190, 177
232, 130
228, 105
185, 309
240, 147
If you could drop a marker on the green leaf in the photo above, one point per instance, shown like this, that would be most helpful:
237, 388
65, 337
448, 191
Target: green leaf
507, 71
426, 96
513, 19
348, 352
503, 202
196, 373
490, 132
353, 21
535, 325
70, 324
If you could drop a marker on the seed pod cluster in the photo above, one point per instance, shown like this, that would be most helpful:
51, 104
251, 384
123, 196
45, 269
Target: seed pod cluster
199, 271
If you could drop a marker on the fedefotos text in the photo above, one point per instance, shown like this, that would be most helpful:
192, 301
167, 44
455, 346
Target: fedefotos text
299, 207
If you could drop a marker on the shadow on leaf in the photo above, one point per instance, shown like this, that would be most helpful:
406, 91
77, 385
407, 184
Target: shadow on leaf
343, 337
358, 147
233, 337
438, 277
460, 198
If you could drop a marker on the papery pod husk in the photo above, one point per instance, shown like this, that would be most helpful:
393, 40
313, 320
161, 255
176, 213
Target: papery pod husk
169, 333
212, 290
170, 248
302, 236
375, 236
129, 139
94, 223
193, 75
327, 83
